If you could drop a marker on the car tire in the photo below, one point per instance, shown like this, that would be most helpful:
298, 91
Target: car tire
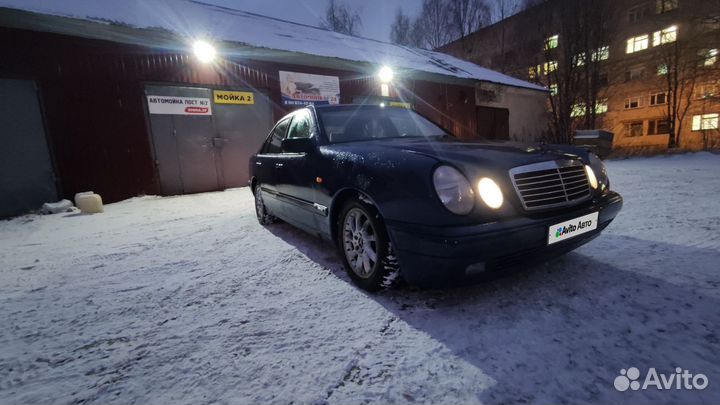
263, 215
365, 248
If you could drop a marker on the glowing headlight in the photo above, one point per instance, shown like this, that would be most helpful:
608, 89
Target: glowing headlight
454, 190
490, 193
591, 177
600, 171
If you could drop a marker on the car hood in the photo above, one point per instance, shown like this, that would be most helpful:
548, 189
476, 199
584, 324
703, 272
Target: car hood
480, 153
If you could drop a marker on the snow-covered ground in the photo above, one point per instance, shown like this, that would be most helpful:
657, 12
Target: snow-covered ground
188, 300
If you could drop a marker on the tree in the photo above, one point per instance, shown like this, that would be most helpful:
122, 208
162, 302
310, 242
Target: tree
503, 10
468, 16
401, 29
341, 18
432, 29
573, 63
679, 62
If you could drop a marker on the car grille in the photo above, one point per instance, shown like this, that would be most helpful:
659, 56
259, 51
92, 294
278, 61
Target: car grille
551, 184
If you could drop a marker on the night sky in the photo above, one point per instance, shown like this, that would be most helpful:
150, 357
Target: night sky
377, 15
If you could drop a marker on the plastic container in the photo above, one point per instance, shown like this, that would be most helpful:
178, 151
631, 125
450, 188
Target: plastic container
89, 203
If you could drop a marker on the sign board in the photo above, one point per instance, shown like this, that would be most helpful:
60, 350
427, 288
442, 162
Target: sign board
179, 105
305, 88
233, 97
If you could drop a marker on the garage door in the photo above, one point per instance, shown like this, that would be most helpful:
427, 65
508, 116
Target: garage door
493, 123
204, 137
26, 171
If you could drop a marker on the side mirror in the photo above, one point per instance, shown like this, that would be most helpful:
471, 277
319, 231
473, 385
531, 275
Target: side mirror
297, 145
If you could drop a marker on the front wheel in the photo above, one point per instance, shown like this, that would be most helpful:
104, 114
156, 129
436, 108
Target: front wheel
263, 216
364, 246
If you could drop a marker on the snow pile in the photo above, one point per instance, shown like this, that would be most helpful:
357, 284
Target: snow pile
188, 300
191, 19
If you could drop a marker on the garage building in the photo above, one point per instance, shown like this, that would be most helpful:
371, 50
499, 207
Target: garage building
115, 97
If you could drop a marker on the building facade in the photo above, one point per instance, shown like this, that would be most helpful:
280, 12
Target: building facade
104, 104
652, 65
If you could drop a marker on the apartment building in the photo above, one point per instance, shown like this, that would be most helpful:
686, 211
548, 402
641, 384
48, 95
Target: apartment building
657, 68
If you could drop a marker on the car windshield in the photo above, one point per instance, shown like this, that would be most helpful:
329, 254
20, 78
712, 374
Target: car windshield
370, 123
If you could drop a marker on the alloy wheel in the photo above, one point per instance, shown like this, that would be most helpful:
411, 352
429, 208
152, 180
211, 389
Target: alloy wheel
360, 243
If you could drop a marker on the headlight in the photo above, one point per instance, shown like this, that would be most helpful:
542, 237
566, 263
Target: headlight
591, 177
490, 193
600, 171
453, 189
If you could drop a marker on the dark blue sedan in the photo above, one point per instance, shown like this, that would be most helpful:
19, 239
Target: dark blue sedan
397, 193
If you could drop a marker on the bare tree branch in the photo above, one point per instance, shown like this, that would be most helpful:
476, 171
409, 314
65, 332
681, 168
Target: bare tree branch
341, 18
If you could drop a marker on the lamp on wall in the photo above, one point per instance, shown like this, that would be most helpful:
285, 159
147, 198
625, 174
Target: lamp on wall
385, 75
204, 51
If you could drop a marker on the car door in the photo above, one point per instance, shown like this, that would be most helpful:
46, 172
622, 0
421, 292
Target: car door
296, 176
265, 167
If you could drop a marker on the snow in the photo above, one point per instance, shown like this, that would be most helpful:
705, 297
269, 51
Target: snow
191, 19
188, 300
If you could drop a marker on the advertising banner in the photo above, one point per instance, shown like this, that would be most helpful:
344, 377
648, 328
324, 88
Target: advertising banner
179, 105
305, 88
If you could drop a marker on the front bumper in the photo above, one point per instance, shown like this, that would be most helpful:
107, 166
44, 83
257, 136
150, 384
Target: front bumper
431, 255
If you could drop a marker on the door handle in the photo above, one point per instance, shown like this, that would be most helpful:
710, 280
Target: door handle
258, 163
278, 165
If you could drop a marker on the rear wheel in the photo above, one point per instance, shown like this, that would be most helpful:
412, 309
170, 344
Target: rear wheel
261, 211
365, 247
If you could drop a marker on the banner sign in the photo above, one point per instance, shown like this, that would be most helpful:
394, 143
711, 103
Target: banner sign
305, 88
233, 97
179, 105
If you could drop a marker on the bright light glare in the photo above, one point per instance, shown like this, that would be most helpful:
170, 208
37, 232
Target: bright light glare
591, 177
490, 193
204, 51
385, 74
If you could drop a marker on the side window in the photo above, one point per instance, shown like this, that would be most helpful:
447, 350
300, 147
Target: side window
301, 126
273, 144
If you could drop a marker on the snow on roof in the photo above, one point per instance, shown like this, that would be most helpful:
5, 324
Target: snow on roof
193, 18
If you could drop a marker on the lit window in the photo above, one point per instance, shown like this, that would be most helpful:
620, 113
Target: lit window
633, 102
552, 42
579, 60
554, 89
550, 66
658, 98
663, 6
634, 128
665, 36
601, 107
638, 43
658, 127
705, 121
532, 72
708, 57
578, 110
601, 54
662, 70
